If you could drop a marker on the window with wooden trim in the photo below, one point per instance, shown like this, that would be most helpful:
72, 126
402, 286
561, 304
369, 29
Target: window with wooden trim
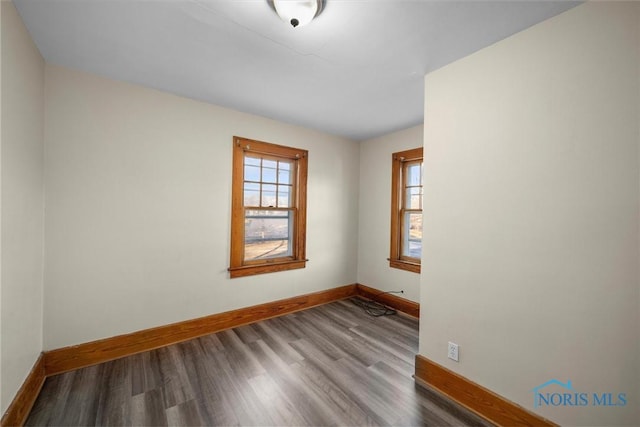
268, 208
406, 210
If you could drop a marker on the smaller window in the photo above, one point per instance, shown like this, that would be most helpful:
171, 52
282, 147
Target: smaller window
406, 210
268, 208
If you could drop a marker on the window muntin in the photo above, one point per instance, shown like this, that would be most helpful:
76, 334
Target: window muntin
406, 210
269, 208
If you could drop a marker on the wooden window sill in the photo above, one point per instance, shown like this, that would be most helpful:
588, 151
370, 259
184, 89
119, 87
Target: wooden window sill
404, 265
250, 270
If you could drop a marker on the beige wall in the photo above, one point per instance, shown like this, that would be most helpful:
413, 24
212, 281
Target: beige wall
138, 209
22, 196
531, 161
374, 222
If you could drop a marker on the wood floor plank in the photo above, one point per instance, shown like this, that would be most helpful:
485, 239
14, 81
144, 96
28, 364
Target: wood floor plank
291, 387
330, 365
147, 409
79, 410
271, 334
114, 396
332, 396
184, 414
328, 369
247, 333
217, 412
281, 410
242, 361
244, 403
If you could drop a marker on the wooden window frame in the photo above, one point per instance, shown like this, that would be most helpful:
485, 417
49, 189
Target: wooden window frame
399, 160
238, 266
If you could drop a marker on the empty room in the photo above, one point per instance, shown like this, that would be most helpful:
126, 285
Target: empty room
319, 212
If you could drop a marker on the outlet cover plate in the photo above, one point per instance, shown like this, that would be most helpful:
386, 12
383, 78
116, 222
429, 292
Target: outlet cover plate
452, 352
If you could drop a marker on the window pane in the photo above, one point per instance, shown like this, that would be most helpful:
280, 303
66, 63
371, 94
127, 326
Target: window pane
271, 164
412, 235
284, 196
267, 234
414, 174
284, 176
413, 198
269, 168
251, 173
248, 160
251, 194
268, 195
284, 165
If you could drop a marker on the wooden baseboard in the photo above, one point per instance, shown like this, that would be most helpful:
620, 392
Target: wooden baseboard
474, 397
19, 409
404, 305
91, 353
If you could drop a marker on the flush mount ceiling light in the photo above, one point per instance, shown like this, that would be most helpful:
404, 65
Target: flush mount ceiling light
297, 12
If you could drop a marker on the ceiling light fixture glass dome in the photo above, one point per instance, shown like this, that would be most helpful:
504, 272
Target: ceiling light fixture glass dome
297, 12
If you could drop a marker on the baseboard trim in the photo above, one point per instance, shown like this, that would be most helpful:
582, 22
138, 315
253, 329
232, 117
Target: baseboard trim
19, 409
91, 353
404, 305
475, 397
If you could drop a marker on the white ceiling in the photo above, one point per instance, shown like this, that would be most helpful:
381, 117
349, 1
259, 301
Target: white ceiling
356, 70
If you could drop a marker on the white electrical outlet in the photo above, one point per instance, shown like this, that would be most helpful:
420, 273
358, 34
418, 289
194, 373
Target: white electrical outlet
452, 353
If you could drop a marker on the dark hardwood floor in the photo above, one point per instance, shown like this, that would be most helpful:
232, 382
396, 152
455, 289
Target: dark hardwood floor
331, 365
